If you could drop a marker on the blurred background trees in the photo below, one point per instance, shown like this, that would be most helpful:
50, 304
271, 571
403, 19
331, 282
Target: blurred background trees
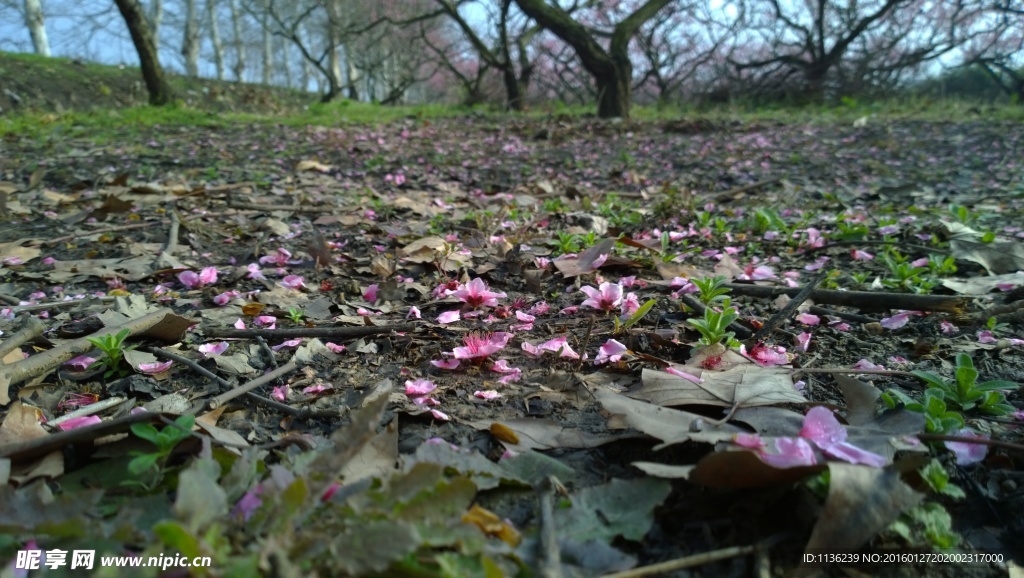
518, 54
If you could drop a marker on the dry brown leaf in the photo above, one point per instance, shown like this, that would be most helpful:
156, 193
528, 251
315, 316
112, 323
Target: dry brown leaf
748, 384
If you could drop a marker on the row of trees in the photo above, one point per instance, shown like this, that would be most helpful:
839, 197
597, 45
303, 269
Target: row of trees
604, 51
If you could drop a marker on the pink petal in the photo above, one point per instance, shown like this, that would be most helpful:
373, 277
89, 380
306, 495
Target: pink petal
419, 387
683, 374
439, 415
154, 368
445, 363
371, 293
850, 453
752, 441
968, 453
80, 363
448, 317
822, 427
213, 349
77, 422
334, 347
790, 453
488, 394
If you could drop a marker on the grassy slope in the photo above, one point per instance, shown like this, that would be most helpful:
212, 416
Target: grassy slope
71, 97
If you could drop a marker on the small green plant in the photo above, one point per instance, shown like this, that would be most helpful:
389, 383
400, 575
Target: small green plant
767, 219
995, 326
165, 442
567, 242
930, 524
711, 289
966, 393
939, 419
555, 205
861, 278
621, 326
850, 231
296, 315
713, 327
939, 265
113, 350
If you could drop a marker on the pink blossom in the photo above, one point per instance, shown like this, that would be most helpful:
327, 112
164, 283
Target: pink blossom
445, 363
334, 347
414, 313
570, 310
539, 308
280, 258
803, 341
239, 324
155, 368
968, 453
808, 319
541, 262
859, 255
280, 393
476, 294
607, 297
366, 312
448, 317
865, 364
630, 305
371, 293
679, 373
898, 320
77, 422
789, 453
489, 394
255, 273
985, 336
419, 387
248, 504
439, 415
769, 356
318, 388
599, 260
477, 346
293, 282
611, 351
266, 321
80, 363
558, 344
747, 440
213, 349
222, 299
947, 327
822, 428
287, 344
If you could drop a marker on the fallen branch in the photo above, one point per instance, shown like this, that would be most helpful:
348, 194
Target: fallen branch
318, 332
46, 361
863, 300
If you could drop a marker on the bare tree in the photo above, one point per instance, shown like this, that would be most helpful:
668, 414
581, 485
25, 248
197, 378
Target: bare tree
215, 40
155, 19
236, 40
812, 40
36, 23
149, 61
190, 39
611, 69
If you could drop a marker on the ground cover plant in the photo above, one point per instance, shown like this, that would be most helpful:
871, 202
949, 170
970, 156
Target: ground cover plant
514, 346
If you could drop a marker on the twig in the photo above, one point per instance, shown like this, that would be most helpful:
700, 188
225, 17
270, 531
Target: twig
855, 317
48, 360
267, 351
863, 300
549, 554
81, 234
172, 240
744, 188
9, 299
969, 440
290, 208
786, 312
63, 304
30, 329
282, 407
91, 409
686, 562
259, 381
293, 332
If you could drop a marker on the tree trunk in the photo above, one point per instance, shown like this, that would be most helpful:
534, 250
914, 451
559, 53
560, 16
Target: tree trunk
218, 46
190, 40
36, 23
268, 56
351, 74
614, 91
236, 31
149, 61
513, 94
611, 70
156, 17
